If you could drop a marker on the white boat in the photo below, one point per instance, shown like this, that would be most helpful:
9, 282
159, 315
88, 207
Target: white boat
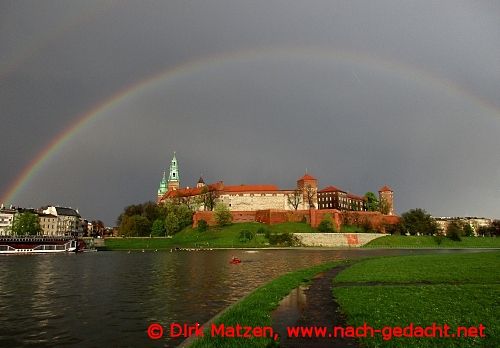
37, 245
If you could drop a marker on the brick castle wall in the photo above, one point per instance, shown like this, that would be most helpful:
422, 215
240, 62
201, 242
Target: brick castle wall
375, 220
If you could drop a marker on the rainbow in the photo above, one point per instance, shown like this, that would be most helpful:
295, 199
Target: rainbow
170, 75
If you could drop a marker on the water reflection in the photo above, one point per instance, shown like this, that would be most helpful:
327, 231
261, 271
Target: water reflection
289, 310
109, 298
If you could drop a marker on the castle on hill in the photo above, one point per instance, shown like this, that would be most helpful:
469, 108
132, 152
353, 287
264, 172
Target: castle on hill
260, 197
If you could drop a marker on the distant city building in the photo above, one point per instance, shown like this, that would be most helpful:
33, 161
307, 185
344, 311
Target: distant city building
6, 219
68, 220
475, 222
49, 224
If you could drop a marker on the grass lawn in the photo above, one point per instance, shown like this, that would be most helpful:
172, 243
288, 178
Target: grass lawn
226, 237
429, 242
462, 290
255, 309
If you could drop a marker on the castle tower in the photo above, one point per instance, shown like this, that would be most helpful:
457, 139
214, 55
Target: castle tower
309, 186
163, 187
386, 197
173, 177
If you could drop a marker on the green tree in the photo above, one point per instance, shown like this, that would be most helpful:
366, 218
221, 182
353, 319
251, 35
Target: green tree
223, 215
468, 231
495, 228
418, 221
158, 228
135, 226
26, 224
172, 223
454, 231
184, 215
371, 201
150, 211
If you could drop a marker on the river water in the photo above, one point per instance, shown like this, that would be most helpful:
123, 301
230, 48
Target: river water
108, 299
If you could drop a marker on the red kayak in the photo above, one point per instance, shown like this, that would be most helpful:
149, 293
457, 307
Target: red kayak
235, 260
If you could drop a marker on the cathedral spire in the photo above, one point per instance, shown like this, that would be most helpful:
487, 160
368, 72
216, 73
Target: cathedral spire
173, 177
163, 186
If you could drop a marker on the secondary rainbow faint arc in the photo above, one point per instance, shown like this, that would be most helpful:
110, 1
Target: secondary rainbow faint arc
397, 68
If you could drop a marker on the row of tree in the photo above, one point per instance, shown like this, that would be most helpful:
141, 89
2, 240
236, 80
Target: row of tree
151, 219
419, 222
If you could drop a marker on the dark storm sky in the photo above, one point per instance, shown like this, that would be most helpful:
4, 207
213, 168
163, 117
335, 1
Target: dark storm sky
361, 93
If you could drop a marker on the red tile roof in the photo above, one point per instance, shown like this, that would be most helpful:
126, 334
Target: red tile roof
193, 191
185, 192
353, 196
331, 189
307, 177
385, 188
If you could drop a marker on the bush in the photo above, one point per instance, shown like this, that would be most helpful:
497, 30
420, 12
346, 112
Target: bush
263, 230
394, 229
246, 236
202, 226
283, 239
326, 225
438, 239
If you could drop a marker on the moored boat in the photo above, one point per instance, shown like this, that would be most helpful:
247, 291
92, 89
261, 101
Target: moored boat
38, 245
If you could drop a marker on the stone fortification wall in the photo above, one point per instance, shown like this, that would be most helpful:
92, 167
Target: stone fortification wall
271, 217
352, 240
238, 216
375, 220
